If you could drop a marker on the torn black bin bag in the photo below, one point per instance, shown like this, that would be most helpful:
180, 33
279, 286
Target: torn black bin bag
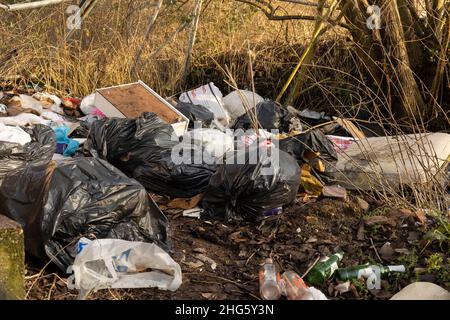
313, 141
142, 148
270, 115
246, 191
59, 202
195, 113
14, 156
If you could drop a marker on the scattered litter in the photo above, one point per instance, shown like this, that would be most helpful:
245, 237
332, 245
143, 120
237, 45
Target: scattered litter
202, 257
269, 281
194, 264
214, 142
50, 102
184, 203
65, 145
23, 120
343, 287
387, 252
114, 263
335, 192
293, 287
26, 104
324, 269
193, 213
372, 273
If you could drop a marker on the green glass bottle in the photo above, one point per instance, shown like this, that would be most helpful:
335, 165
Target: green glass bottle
355, 272
365, 270
324, 269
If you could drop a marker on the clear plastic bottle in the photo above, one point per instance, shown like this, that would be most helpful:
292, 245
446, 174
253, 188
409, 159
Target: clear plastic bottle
269, 281
294, 288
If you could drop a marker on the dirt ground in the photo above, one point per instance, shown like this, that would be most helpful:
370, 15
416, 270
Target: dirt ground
294, 239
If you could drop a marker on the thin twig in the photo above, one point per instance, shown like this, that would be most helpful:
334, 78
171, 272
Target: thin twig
376, 251
310, 268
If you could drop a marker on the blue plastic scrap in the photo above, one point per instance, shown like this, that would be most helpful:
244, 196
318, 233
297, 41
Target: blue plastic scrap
67, 147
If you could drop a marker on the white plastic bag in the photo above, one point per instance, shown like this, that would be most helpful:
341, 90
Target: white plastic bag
113, 263
27, 102
87, 104
236, 101
24, 119
215, 142
211, 98
14, 135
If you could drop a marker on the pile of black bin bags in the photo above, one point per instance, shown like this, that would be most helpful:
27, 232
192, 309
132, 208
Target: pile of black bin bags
58, 202
142, 148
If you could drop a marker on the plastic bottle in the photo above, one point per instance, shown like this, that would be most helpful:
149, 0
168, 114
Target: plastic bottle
269, 281
324, 269
294, 288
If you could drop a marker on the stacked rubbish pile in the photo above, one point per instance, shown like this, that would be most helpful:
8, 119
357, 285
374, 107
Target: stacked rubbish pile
80, 175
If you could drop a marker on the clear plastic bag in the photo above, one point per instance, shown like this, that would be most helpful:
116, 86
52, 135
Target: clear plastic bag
112, 263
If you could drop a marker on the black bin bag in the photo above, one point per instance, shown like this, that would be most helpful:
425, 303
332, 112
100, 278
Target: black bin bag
195, 113
142, 148
41, 148
271, 116
246, 191
313, 141
59, 202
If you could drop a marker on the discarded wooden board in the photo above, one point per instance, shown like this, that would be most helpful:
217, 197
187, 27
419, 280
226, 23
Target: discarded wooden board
131, 100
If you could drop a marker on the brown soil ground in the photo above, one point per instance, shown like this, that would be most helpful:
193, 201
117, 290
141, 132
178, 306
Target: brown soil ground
294, 239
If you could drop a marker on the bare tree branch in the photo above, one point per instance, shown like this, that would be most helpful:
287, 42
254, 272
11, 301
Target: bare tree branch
30, 5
